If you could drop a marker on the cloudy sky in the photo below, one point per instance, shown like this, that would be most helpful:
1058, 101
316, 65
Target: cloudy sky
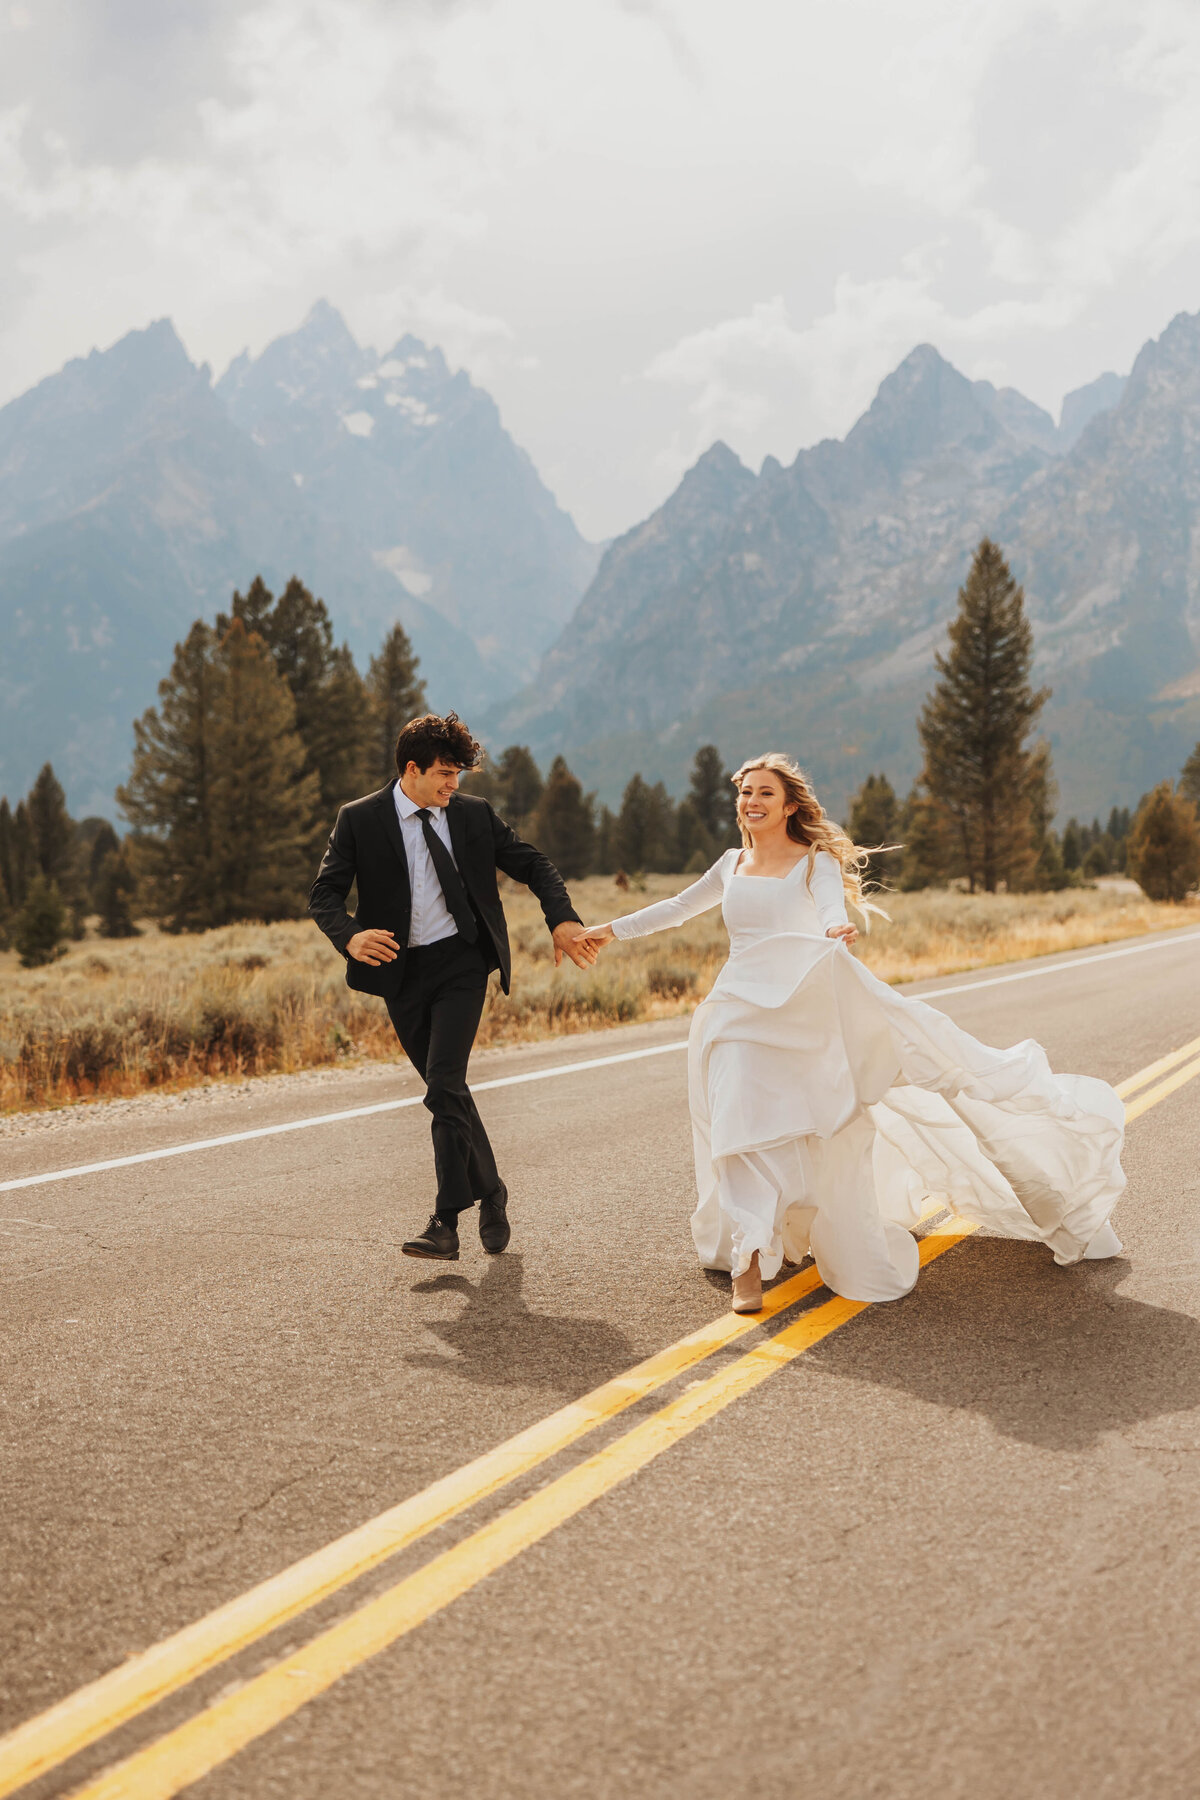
642, 224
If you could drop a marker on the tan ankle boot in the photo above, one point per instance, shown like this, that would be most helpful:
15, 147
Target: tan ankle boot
747, 1289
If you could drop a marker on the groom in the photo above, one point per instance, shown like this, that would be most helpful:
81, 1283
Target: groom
428, 930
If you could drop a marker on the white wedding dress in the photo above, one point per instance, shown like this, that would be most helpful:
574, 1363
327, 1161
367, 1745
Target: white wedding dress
828, 1110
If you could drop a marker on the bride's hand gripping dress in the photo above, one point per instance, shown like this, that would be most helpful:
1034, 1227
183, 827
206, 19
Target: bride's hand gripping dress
828, 1110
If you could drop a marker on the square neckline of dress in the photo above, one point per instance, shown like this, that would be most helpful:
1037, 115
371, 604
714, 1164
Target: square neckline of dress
737, 870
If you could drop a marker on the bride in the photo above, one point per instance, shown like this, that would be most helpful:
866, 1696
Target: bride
828, 1110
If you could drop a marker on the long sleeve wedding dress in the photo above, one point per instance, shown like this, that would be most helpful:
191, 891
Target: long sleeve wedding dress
828, 1110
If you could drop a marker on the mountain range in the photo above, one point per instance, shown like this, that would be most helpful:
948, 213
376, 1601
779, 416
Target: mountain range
136, 494
800, 608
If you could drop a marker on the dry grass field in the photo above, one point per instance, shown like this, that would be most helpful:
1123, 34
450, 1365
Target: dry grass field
116, 1018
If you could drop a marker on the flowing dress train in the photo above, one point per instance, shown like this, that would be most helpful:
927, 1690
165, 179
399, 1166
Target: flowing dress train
828, 1110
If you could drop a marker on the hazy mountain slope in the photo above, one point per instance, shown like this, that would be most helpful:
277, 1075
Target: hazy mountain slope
134, 497
422, 495
805, 607
129, 503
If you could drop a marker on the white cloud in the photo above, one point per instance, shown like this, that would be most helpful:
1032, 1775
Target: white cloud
761, 206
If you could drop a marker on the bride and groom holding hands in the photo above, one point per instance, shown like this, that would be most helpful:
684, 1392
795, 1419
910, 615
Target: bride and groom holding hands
828, 1111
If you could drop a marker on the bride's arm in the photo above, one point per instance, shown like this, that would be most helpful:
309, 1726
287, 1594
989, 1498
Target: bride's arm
700, 897
830, 896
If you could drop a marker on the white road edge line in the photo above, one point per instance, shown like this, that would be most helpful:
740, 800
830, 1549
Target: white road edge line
354, 1112
503, 1081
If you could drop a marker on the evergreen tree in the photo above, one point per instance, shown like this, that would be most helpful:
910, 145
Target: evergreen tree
24, 858
974, 724
1043, 866
8, 891
711, 794
332, 704
634, 824
1189, 780
103, 842
519, 786
925, 832
346, 756
874, 823
695, 849
1072, 847
168, 797
646, 835
55, 843
1164, 845
40, 928
261, 799
113, 892
398, 694
564, 825
604, 860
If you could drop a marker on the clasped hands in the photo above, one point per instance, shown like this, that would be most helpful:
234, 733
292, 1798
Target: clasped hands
375, 947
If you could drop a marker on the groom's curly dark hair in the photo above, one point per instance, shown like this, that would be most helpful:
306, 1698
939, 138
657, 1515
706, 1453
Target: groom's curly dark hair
431, 739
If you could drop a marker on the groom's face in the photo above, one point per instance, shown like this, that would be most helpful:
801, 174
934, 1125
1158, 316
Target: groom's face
433, 786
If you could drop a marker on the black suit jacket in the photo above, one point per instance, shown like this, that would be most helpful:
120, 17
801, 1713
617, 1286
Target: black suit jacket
366, 845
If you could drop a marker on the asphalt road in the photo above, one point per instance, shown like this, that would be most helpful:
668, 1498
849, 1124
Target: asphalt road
951, 1549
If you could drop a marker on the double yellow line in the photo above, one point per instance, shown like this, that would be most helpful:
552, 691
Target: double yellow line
220, 1730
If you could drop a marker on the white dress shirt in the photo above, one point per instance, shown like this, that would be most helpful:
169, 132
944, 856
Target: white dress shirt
431, 919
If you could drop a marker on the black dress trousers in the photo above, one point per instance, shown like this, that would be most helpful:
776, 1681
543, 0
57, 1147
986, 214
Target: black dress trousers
436, 1015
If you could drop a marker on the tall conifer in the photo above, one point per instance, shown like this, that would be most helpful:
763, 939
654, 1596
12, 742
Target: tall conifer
168, 797
974, 724
874, 822
564, 826
262, 801
711, 794
398, 694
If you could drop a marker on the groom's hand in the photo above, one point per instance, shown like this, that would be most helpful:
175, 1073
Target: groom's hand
373, 947
566, 943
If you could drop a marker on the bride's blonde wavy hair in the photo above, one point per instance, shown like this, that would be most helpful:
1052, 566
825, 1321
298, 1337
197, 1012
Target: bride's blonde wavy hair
811, 825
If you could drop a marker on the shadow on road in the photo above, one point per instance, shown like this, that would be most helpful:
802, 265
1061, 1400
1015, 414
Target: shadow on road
1052, 1357
498, 1342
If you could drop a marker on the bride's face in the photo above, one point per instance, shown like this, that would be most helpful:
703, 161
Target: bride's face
763, 806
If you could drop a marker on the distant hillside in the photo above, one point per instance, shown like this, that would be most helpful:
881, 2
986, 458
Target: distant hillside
800, 608
134, 496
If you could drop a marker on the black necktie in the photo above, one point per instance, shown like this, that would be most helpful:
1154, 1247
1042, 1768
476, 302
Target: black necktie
451, 881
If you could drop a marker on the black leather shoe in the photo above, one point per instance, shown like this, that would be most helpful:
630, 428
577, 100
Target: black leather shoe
494, 1228
438, 1241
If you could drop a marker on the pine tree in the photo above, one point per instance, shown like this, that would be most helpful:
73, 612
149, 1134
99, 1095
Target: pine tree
1189, 780
168, 797
875, 821
604, 860
695, 848
114, 890
55, 843
646, 834
347, 756
974, 724
926, 833
104, 842
564, 825
8, 892
1164, 845
333, 706
519, 786
261, 800
711, 794
634, 825
664, 830
40, 929
398, 694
